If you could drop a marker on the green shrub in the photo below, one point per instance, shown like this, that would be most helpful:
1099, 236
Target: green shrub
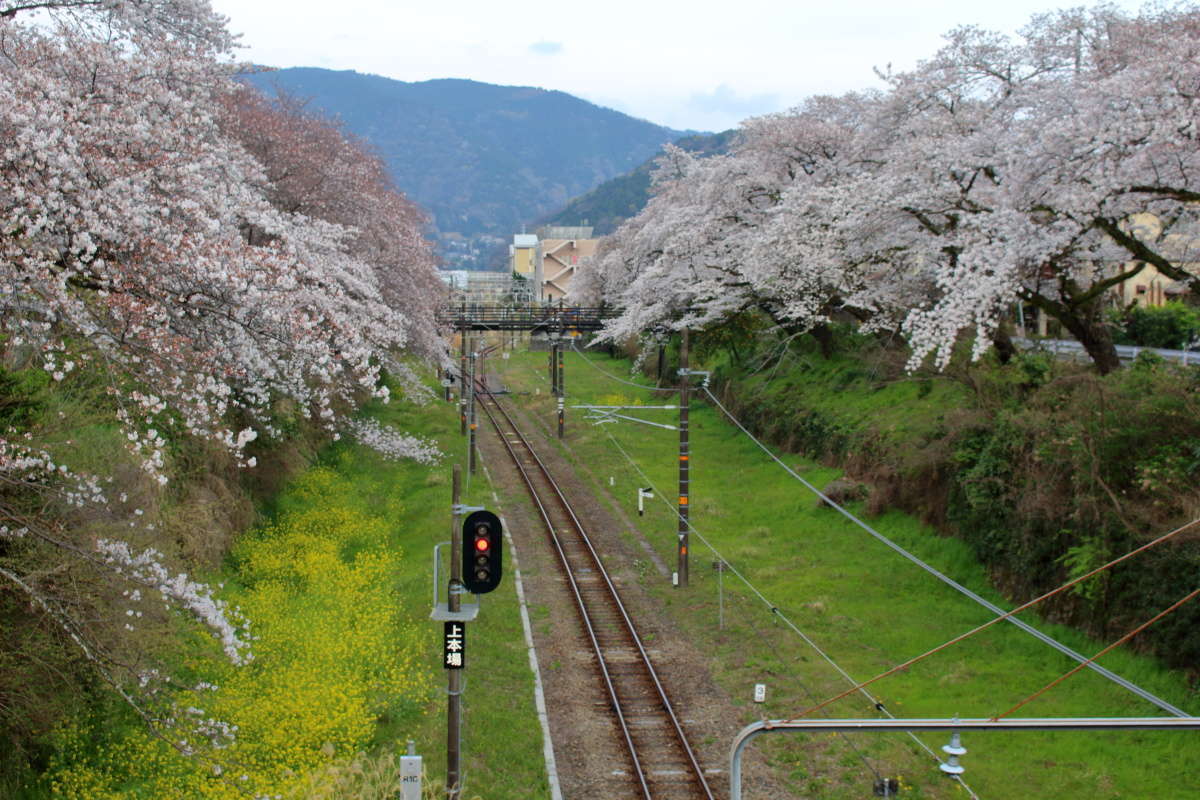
1173, 326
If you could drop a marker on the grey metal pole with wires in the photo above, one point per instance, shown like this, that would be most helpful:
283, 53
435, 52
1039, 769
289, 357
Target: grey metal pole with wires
462, 375
684, 463
952, 725
562, 391
471, 406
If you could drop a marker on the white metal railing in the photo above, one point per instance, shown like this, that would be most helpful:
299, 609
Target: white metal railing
1073, 349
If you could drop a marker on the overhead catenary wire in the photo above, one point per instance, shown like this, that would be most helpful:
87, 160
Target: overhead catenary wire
812, 695
1191, 595
774, 609
608, 374
977, 629
779, 614
1009, 616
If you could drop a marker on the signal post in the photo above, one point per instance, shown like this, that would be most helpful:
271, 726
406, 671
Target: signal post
476, 558
454, 688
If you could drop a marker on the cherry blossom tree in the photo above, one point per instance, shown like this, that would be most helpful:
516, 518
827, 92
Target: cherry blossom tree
148, 240
1045, 169
317, 169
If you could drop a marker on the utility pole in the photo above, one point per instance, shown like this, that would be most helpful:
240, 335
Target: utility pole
462, 374
562, 391
684, 456
471, 442
454, 690
554, 364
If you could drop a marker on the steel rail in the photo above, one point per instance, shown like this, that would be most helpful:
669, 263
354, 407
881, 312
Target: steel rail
579, 602
586, 615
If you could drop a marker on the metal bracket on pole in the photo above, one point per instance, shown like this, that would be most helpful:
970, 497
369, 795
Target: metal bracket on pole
609, 414
689, 372
441, 609
952, 725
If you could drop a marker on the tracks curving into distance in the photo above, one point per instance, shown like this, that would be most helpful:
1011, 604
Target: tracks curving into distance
662, 763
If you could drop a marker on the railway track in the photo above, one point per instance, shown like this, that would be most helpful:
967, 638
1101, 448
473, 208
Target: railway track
661, 764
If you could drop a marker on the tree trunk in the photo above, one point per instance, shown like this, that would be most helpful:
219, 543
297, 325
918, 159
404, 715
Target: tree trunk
1082, 314
1096, 339
824, 338
1002, 341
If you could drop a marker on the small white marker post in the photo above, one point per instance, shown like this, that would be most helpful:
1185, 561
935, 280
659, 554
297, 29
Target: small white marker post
760, 693
411, 773
642, 495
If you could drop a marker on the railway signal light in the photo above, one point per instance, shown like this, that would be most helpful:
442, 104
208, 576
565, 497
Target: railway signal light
483, 549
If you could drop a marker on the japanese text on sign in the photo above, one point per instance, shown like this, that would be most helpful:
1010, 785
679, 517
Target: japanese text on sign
454, 645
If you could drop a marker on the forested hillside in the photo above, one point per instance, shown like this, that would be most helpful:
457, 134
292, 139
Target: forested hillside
618, 199
483, 159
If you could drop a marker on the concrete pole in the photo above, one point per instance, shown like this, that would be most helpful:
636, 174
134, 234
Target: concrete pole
462, 379
562, 391
471, 409
684, 462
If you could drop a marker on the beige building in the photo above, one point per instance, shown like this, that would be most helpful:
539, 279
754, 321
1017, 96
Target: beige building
562, 249
1150, 288
550, 257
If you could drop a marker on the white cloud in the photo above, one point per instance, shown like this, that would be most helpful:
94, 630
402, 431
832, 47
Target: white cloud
662, 60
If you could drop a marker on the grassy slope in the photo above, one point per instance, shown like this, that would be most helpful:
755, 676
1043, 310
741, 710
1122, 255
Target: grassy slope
408, 503
868, 609
501, 739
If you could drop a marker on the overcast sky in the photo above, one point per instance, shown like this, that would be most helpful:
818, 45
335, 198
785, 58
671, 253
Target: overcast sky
700, 64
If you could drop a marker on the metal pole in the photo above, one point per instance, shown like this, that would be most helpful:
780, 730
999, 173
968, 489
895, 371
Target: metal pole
471, 443
554, 370
684, 462
720, 596
1027, 724
462, 376
454, 690
562, 391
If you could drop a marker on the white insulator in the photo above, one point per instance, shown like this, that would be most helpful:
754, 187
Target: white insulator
953, 750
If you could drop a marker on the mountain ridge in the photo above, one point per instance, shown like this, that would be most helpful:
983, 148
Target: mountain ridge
605, 207
483, 159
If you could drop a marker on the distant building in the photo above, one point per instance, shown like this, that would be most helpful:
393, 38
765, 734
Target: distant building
1150, 288
548, 259
562, 248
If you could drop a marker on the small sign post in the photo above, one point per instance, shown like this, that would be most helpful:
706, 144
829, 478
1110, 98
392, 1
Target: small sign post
642, 495
411, 774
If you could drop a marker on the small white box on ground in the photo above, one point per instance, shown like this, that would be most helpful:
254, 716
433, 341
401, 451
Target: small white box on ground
411, 773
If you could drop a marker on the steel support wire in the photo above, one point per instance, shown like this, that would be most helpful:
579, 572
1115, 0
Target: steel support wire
1057, 645
607, 374
879, 706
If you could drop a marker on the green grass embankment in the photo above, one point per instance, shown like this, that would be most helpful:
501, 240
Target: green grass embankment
863, 605
347, 662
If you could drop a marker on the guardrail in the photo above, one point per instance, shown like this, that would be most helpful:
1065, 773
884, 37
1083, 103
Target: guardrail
1070, 348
